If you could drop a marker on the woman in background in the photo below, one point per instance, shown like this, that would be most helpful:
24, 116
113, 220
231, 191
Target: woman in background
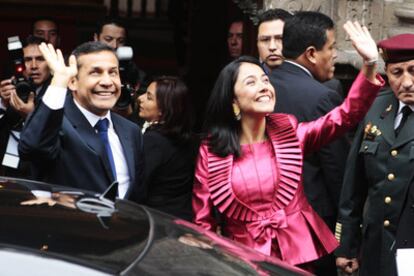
169, 146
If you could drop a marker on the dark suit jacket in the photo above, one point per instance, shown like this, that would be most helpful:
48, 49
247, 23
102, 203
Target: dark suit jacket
169, 174
404, 237
377, 179
65, 149
299, 94
12, 120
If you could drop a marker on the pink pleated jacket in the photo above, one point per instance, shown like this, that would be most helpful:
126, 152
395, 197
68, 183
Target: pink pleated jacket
289, 229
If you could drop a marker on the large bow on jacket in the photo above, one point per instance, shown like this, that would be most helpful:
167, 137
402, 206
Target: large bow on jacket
263, 231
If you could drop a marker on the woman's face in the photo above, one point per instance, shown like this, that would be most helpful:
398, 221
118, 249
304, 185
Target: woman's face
148, 108
253, 93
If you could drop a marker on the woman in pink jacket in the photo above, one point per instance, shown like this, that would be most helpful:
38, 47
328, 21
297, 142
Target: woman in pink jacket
250, 165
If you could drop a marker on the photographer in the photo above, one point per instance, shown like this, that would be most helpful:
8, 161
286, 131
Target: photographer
18, 96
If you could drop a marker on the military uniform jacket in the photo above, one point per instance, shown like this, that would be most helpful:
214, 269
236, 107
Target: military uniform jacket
376, 182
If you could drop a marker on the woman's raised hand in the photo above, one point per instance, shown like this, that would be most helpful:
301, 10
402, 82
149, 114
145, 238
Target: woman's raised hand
362, 41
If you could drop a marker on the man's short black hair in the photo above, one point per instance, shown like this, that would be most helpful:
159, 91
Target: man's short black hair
32, 40
91, 47
305, 29
44, 18
274, 14
234, 19
110, 21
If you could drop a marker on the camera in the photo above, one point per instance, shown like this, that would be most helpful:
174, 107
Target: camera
23, 85
128, 92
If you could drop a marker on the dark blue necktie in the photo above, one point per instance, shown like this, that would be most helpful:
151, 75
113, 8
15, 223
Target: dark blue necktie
406, 111
102, 128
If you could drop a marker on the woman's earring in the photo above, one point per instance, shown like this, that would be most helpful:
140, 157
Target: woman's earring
236, 111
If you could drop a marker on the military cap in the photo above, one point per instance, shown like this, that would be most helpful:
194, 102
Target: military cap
397, 48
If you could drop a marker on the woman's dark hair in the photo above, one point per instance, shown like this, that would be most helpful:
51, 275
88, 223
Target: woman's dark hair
173, 100
221, 128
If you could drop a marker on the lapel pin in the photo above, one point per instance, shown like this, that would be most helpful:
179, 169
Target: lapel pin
387, 110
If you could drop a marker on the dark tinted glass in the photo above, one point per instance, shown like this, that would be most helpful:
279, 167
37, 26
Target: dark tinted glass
101, 238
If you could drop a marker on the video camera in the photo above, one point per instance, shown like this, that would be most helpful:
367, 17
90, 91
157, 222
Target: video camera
128, 92
23, 85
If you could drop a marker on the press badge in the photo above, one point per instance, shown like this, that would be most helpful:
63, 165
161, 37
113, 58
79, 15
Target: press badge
11, 157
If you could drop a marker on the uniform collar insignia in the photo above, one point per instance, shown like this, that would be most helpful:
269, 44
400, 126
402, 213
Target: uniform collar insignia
386, 111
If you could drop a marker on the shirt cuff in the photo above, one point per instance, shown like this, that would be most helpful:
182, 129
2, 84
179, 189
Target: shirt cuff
54, 97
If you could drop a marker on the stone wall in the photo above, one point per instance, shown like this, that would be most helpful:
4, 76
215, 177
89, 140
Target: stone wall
383, 17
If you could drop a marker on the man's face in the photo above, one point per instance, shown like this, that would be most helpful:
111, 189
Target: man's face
235, 39
97, 86
47, 30
269, 42
36, 66
401, 79
325, 59
112, 35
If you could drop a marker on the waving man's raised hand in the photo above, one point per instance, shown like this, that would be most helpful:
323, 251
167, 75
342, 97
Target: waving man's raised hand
54, 58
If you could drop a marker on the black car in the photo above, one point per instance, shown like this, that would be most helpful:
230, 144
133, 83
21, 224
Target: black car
51, 230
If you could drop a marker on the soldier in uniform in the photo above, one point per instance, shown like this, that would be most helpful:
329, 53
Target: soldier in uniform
379, 170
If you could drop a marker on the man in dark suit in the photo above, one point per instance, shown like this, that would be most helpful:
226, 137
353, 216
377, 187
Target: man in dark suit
308, 47
17, 104
47, 28
309, 52
76, 140
378, 191
269, 38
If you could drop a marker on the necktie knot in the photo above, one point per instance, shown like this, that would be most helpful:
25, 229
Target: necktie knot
406, 110
102, 125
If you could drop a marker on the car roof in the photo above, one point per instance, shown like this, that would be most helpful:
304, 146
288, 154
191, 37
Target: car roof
118, 237
70, 224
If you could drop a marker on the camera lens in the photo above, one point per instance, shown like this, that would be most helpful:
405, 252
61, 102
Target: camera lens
23, 88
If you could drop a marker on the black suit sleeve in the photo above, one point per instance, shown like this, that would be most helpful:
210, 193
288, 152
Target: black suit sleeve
39, 139
140, 170
333, 156
154, 155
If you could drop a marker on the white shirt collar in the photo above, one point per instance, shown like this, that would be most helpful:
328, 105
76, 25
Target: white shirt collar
93, 118
300, 66
401, 105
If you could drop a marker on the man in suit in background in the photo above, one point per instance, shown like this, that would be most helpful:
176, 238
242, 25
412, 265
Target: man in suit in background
269, 37
309, 52
235, 38
76, 140
378, 188
111, 31
46, 28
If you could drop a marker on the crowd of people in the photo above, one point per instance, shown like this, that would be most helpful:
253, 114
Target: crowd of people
273, 167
